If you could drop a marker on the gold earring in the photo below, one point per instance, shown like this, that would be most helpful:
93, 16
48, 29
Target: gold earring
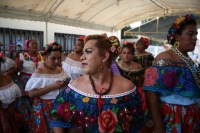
100, 67
176, 44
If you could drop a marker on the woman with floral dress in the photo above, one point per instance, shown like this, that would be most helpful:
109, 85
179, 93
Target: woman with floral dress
44, 86
98, 101
26, 65
172, 83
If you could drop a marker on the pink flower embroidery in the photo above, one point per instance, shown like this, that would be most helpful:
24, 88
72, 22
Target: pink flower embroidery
151, 75
170, 79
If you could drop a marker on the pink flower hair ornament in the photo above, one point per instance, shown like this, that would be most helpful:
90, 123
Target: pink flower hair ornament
2, 56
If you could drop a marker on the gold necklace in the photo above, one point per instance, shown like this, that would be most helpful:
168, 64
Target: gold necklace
196, 75
129, 70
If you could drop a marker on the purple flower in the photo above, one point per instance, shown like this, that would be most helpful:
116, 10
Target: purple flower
170, 79
67, 90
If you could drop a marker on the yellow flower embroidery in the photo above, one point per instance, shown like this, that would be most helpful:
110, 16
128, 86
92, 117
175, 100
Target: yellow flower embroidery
114, 101
86, 99
25, 55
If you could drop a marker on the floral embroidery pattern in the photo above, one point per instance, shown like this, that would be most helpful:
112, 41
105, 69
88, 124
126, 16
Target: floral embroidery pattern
114, 101
107, 121
86, 99
151, 75
64, 110
170, 79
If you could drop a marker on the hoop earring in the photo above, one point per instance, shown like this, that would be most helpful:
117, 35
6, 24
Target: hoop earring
176, 44
99, 69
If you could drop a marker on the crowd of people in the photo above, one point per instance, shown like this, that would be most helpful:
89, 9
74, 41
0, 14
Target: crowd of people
89, 91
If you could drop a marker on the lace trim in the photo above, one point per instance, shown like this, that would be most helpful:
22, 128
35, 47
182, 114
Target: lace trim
73, 63
167, 62
39, 75
126, 70
7, 86
104, 96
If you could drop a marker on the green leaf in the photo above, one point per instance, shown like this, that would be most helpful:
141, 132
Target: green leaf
115, 110
72, 106
118, 128
61, 100
53, 112
162, 71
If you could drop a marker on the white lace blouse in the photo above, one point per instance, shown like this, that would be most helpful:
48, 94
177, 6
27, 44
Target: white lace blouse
8, 94
39, 81
73, 68
5, 66
28, 65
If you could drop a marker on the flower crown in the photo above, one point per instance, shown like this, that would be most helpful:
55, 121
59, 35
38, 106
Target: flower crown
115, 48
2, 57
50, 47
146, 41
177, 24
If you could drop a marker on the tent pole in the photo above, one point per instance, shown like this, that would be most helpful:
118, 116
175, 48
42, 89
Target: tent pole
46, 32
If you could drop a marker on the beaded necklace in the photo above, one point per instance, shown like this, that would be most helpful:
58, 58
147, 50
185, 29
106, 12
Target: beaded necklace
100, 101
193, 68
129, 70
106, 90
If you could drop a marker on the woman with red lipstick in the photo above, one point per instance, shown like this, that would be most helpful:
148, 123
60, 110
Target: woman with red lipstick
72, 64
43, 86
172, 83
98, 101
26, 65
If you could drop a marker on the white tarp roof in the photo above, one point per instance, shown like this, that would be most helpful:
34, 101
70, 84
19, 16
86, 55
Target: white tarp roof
105, 15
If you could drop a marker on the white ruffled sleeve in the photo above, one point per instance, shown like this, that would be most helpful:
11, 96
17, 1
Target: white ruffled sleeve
40, 81
21, 56
9, 93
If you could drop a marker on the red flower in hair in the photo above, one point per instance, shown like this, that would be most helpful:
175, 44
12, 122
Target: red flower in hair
187, 16
146, 41
81, 38
125, 43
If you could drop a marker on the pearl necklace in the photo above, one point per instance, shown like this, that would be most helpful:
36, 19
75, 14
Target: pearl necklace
193, 68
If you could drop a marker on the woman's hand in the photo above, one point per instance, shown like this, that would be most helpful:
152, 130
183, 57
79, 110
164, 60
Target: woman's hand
58, 84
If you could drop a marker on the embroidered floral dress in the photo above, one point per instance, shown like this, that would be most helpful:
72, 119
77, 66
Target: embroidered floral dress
119, 113
8, 94
24, 105
144, 60
73, 68
42, 105
178, 93
136, 76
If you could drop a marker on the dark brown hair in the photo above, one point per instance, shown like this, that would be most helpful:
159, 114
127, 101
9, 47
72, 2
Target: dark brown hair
104, 45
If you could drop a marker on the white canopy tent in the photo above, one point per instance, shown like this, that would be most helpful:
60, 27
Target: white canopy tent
107, 15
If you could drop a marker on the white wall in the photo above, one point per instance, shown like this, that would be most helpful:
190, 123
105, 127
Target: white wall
51, 28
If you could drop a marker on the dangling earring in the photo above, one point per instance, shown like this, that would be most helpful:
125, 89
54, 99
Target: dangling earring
176, 44
100, 67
